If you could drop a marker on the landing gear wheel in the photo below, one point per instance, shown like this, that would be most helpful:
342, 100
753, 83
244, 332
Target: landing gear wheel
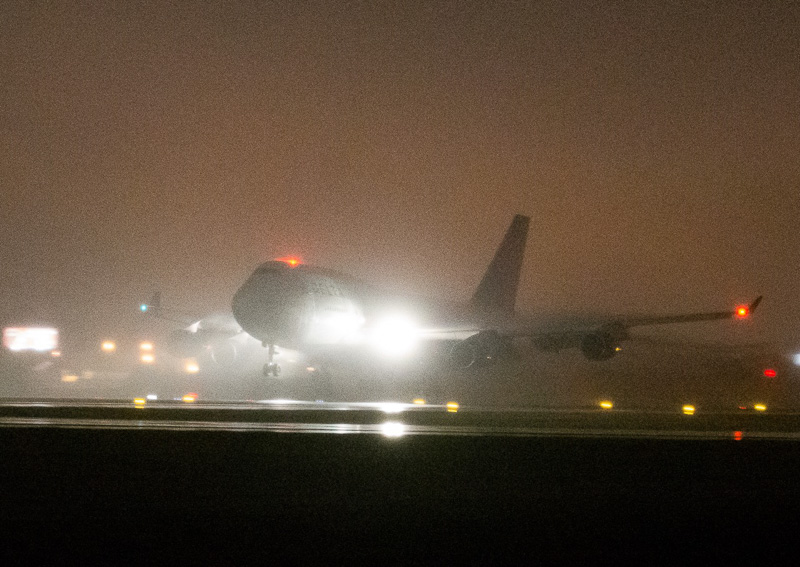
272, 368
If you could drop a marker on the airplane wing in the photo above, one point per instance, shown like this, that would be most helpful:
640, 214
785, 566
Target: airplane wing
741, 312
603, 341
154, 308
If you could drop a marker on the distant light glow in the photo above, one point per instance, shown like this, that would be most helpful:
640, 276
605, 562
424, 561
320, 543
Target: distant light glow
147, 345
152, 397
55, 353
419, 401
190, 397
452, 407
770, 373
742, 311
606, 404
688, 409
393, 429
617, 349
69, 377
39, 339
737, 435
191, 367
143, 307
139, 401
108, 346
796, 359
760, 407
147, 358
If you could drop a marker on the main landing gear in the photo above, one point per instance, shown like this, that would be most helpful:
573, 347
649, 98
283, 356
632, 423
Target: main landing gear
271, 368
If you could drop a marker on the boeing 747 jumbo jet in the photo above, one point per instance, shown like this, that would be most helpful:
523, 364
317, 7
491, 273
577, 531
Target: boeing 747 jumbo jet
323, 313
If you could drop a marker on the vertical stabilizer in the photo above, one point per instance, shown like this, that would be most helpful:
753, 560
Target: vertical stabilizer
498, 288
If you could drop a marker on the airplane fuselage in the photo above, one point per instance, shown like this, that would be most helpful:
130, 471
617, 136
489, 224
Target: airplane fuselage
302, 307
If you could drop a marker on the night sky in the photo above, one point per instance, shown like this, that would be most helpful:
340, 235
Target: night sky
175, 145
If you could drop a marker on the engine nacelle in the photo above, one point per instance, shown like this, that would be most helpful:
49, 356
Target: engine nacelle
187, 344
600, 345
476, 351
184, 344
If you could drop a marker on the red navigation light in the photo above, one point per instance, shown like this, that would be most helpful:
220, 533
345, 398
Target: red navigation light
742, 311
291, 260
770, 373
737, 435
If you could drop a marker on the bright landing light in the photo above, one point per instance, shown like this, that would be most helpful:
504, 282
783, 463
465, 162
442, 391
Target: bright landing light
395, 336
108, 346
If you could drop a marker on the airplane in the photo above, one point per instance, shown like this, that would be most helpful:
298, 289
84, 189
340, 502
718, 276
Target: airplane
321, 312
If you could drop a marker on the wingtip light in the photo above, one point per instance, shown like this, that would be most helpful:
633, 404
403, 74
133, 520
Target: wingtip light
292, 261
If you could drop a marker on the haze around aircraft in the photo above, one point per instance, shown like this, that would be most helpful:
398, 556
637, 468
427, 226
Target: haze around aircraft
326, 314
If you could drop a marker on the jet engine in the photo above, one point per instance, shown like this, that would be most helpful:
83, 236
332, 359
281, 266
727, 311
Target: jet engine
476, 351
600, 345
219, 349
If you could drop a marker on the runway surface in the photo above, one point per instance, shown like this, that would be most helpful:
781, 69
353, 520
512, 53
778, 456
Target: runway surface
392, 419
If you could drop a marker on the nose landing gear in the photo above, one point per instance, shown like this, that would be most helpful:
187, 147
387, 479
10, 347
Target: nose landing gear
271, 368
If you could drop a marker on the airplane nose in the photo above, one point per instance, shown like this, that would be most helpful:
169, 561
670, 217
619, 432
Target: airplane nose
269, 307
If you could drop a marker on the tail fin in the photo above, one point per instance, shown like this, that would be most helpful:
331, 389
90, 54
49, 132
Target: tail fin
498, 288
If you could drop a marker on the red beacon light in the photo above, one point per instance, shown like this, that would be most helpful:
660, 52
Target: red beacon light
292, 261
742, 311
770, 373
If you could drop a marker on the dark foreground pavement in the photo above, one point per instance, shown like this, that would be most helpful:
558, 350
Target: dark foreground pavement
498, 491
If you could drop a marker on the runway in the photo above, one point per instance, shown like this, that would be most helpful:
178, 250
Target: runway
395, 420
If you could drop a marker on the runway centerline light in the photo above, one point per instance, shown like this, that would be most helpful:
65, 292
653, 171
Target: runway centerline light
391, 407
